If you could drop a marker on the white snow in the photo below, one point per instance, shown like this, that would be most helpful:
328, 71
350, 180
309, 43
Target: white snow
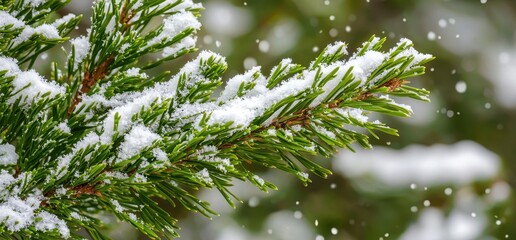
303, 175
49, 222
271, 131
160, 154
204, 176
288, 133
91, 139
193, 70
133, 217
8, 19
175, 24
127, 105
63, 20
391, 101
6, 179
297, 128
364, 65
336, 49
139, 138
324, 131
137, 4
460, 164
259, 180
461, 87
17, 214
8, 155
125, 112
355, 113
209, 154
418, 57
139, 178
64, 127
77, 216
9, 64
30, 86
46, 30
110, 27
135, 72
184, 44
34, 3
117, 175
242, 111
184, 5
233, 84
117, 206
208, 150
82, 47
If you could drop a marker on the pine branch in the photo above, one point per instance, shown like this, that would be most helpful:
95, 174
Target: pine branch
102, 136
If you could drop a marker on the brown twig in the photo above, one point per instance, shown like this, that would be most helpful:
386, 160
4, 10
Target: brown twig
394, 84
86, 189
89, 80
92, 77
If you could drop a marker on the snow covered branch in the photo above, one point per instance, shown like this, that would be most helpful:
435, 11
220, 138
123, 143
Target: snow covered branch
103, 136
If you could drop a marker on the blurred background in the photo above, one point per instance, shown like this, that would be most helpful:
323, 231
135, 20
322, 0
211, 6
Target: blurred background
452, 171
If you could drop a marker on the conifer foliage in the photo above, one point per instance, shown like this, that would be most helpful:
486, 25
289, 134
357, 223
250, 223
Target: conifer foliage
101, 135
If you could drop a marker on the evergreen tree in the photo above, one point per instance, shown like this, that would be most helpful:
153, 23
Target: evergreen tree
103, 135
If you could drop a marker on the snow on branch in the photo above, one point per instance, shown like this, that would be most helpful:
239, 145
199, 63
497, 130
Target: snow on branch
103, 134
22, 28
28, 86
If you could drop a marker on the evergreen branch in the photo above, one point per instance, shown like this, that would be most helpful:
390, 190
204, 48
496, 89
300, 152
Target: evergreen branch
105, 137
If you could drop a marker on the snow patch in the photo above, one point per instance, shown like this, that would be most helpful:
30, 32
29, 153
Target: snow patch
354, 113
160, 154
10, 65
336, 48
8, 155
174, 25
64, 127
185, 44
34, 3
139, 138
17, 214
82, 47
30, 86
46, 222
46, 30
204, 176
259, 180
233, 84
63, 20
7, 19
